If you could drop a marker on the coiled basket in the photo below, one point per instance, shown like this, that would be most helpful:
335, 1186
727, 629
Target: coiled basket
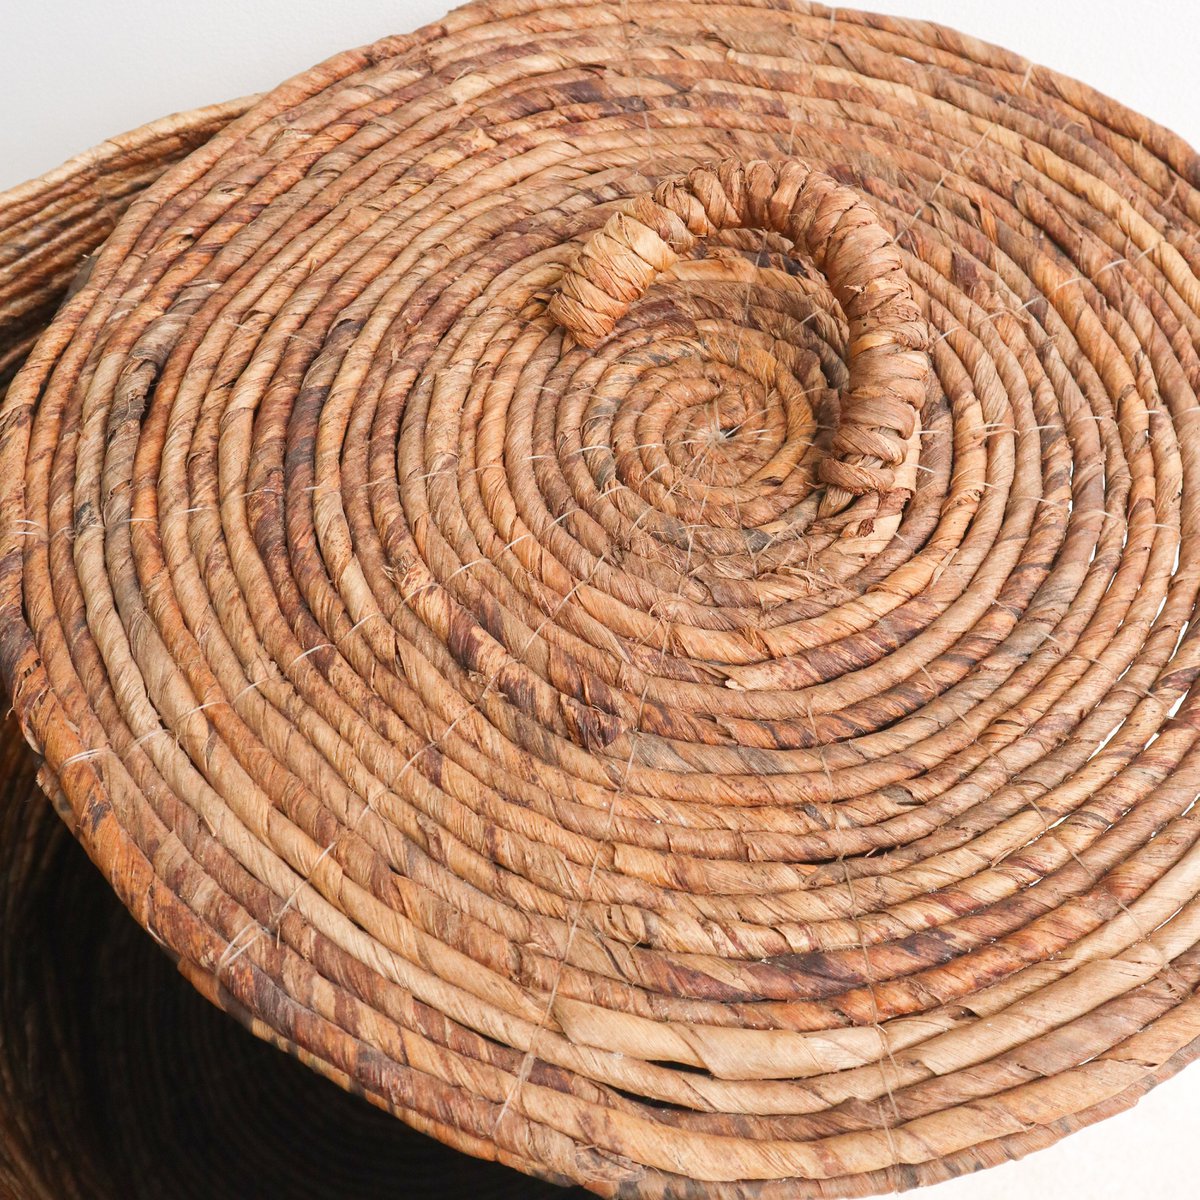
119, 1082
620, 578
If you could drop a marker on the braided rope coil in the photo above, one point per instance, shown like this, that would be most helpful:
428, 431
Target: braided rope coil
623, 578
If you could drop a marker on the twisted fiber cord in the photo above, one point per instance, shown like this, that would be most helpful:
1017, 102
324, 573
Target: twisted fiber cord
887, 365
50, 224
118, 1082
515, 727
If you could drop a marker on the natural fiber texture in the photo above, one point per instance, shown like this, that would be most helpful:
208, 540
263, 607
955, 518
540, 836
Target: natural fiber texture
118, 1082
650, 753
48, 225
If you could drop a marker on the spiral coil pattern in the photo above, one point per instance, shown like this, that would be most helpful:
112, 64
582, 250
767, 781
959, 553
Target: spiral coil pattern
655, 756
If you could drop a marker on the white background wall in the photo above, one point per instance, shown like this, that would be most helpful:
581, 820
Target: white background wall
74, 71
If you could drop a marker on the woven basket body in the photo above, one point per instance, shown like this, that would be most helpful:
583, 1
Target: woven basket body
620, 579
49, 224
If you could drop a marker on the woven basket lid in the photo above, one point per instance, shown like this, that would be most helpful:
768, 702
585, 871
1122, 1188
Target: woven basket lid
620, 577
